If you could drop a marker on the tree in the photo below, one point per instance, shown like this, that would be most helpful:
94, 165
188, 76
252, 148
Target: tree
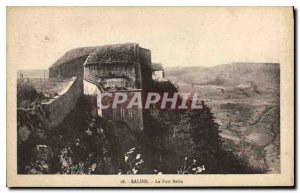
205, 134
27, 93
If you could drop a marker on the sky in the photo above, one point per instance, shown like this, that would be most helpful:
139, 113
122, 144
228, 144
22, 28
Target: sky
185, 36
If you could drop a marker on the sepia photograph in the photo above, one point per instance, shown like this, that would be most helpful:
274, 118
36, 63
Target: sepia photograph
150, 96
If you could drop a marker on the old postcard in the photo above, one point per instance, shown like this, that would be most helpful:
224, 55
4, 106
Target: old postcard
150, 96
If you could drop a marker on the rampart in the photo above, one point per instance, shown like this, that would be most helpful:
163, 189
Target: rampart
59, 106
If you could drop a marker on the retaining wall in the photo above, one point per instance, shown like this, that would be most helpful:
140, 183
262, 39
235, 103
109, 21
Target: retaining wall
57, 108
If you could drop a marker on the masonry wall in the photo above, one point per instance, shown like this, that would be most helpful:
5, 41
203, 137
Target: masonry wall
93, 72
146, 71
93, 95
132, 117
57, 109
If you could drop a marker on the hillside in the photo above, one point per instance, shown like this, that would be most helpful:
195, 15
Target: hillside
262, 74
244, 97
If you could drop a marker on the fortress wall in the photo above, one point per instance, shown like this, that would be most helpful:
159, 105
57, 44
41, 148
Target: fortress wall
110, 70
57, 108
132, 117
146, 71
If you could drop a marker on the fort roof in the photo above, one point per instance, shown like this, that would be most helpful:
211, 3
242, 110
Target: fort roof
112, 54
107, 53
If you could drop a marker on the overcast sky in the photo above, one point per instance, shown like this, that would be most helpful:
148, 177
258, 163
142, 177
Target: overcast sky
175, 36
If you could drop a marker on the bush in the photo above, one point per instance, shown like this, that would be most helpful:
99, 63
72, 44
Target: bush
26, 93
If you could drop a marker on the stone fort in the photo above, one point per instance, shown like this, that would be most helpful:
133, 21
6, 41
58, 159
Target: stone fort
125, 68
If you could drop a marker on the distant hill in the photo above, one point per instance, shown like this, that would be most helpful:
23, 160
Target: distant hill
261, 74
35, 73
180, 72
